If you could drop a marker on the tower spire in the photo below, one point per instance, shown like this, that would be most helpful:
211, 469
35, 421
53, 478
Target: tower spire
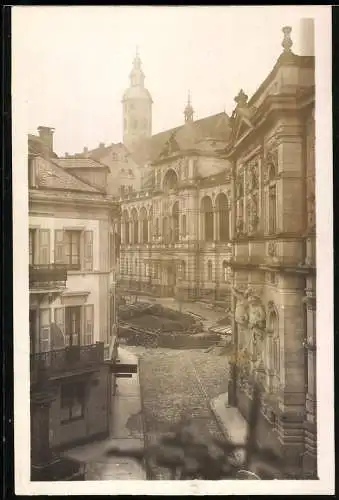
188, 111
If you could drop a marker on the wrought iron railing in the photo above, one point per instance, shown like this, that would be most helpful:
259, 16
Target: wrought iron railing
51, 363
47, 276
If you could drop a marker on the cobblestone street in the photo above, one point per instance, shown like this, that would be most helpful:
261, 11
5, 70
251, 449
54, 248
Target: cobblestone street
177, 385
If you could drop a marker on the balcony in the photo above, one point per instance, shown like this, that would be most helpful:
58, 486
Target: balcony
44, 365
47, 277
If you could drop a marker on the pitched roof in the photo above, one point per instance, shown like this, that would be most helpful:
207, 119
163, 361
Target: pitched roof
79, 163
187, 136
52, 176
36, 146
102, 151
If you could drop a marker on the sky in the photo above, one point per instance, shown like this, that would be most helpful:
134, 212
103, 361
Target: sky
72, 63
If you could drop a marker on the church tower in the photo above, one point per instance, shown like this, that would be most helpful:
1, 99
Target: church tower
137, 107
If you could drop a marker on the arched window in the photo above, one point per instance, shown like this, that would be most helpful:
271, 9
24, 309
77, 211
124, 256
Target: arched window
273, 327
135, 226
209, 270
165, 230
170, 180
207, 218
222, 213
183, 223
126, 223
156, 227
175, 220
144, 225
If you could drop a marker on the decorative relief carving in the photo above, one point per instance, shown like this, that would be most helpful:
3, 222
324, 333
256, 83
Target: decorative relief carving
252, 176
252, 214
250, 311
272, 249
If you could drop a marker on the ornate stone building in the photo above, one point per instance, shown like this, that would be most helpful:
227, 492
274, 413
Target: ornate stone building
230, 206
175, 234
273, 261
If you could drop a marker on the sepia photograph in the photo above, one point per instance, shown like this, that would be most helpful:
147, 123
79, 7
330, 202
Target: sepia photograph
167, 204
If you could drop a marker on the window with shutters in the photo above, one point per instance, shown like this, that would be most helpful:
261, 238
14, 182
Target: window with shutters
45, 327
88, 250
44, 246
72, 402
72, 249
88, 324
32, 246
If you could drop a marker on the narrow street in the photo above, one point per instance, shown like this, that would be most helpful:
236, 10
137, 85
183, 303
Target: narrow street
178, 385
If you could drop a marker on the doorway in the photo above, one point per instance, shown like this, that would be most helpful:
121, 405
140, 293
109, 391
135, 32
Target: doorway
73, 325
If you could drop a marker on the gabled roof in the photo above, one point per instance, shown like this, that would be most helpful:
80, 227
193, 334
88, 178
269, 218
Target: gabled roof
102, 151
187, 137
52, 176
79, 163
36, 146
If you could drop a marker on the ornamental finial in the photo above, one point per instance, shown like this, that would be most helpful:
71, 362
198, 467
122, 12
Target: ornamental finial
287, 41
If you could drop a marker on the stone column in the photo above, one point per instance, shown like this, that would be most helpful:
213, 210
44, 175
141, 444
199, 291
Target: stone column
149, 230
291, 395
140, 231
216, 224
310, 455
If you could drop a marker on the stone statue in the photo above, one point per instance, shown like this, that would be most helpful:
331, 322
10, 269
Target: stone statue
249, 309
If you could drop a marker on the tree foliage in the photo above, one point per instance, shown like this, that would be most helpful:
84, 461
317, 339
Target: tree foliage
188, 456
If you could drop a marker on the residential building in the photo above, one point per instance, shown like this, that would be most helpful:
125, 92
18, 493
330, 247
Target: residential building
71, 271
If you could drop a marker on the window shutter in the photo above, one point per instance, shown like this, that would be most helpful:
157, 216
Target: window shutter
88, 250
88, 324
44, 246
44, 339
59, 318
59, 246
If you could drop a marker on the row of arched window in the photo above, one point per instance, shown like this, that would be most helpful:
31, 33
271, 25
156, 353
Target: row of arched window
214, 223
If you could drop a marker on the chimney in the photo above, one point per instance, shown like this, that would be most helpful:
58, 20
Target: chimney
307, 37
85, 150
102, 145
66, 155
46, 135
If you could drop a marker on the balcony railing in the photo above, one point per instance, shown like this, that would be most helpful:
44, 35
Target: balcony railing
51, 363
47, 276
